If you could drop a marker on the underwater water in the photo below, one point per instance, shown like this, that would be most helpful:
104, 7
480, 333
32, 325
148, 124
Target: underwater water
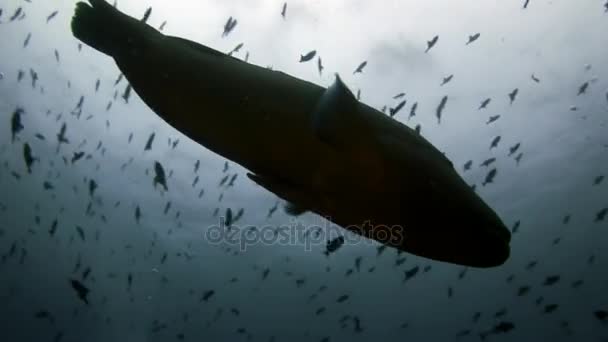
89, 216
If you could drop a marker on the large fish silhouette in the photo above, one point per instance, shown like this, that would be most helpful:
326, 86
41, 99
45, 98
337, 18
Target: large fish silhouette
319, 149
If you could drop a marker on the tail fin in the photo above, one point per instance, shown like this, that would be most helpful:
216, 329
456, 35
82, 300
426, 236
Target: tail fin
104, 28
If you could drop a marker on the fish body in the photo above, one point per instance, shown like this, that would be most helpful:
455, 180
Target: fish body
317, 148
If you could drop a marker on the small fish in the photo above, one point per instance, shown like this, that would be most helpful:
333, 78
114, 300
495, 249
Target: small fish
488, 161
148, 146
473, 38
206, 295
583, 89
137, 214
360, 67
229, 26
16, 124
513, 95
28, 157
551, 280
431, 43
26, 42
513, 149
467, 165
81, 290
320, 65
80, 232
308, 56
162, 26
159, 177
333, 245
550, 308
535, 79
523, 290
342, 298
284, 10
446, 80
495, 142
146, 15
127, 93
597, 180
440, 108
492, 119
601, 215
484, 103
394, 111
51, 16
16, 14
489, 177
515, 227
408, 274
413, 111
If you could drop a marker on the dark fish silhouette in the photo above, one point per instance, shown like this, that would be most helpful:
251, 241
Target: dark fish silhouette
467, 165
446, 80
44, 314
229, 26
127, 93
431, 43
500, 328
515, 227
26, 42
413, 110
162, 25
146, 15
583, 88
513, 149
16, 124
526, 3
284, 10
333, 245
308, 56
473, 38
492, 119
394, 111
550, 308
28, 157
148, 146
489, 177
440, 108
159, 176
320, 65
488, 161
206, 295
495, 142
51, 16
601, 215
408, 274
523, 290
325, 120
81, 291
360, 67
602, 315
342, 298
16, 14
513, 95
535, 79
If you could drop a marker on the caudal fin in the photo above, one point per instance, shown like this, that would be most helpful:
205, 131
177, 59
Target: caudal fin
103, 27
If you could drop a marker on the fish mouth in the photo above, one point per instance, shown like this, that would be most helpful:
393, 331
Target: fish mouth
484, 247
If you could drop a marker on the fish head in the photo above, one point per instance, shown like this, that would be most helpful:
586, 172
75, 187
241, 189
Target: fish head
444, 218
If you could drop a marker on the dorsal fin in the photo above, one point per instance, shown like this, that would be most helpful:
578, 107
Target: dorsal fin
333, 112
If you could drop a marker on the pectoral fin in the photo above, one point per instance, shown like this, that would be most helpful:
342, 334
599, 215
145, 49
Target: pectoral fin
298, 197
